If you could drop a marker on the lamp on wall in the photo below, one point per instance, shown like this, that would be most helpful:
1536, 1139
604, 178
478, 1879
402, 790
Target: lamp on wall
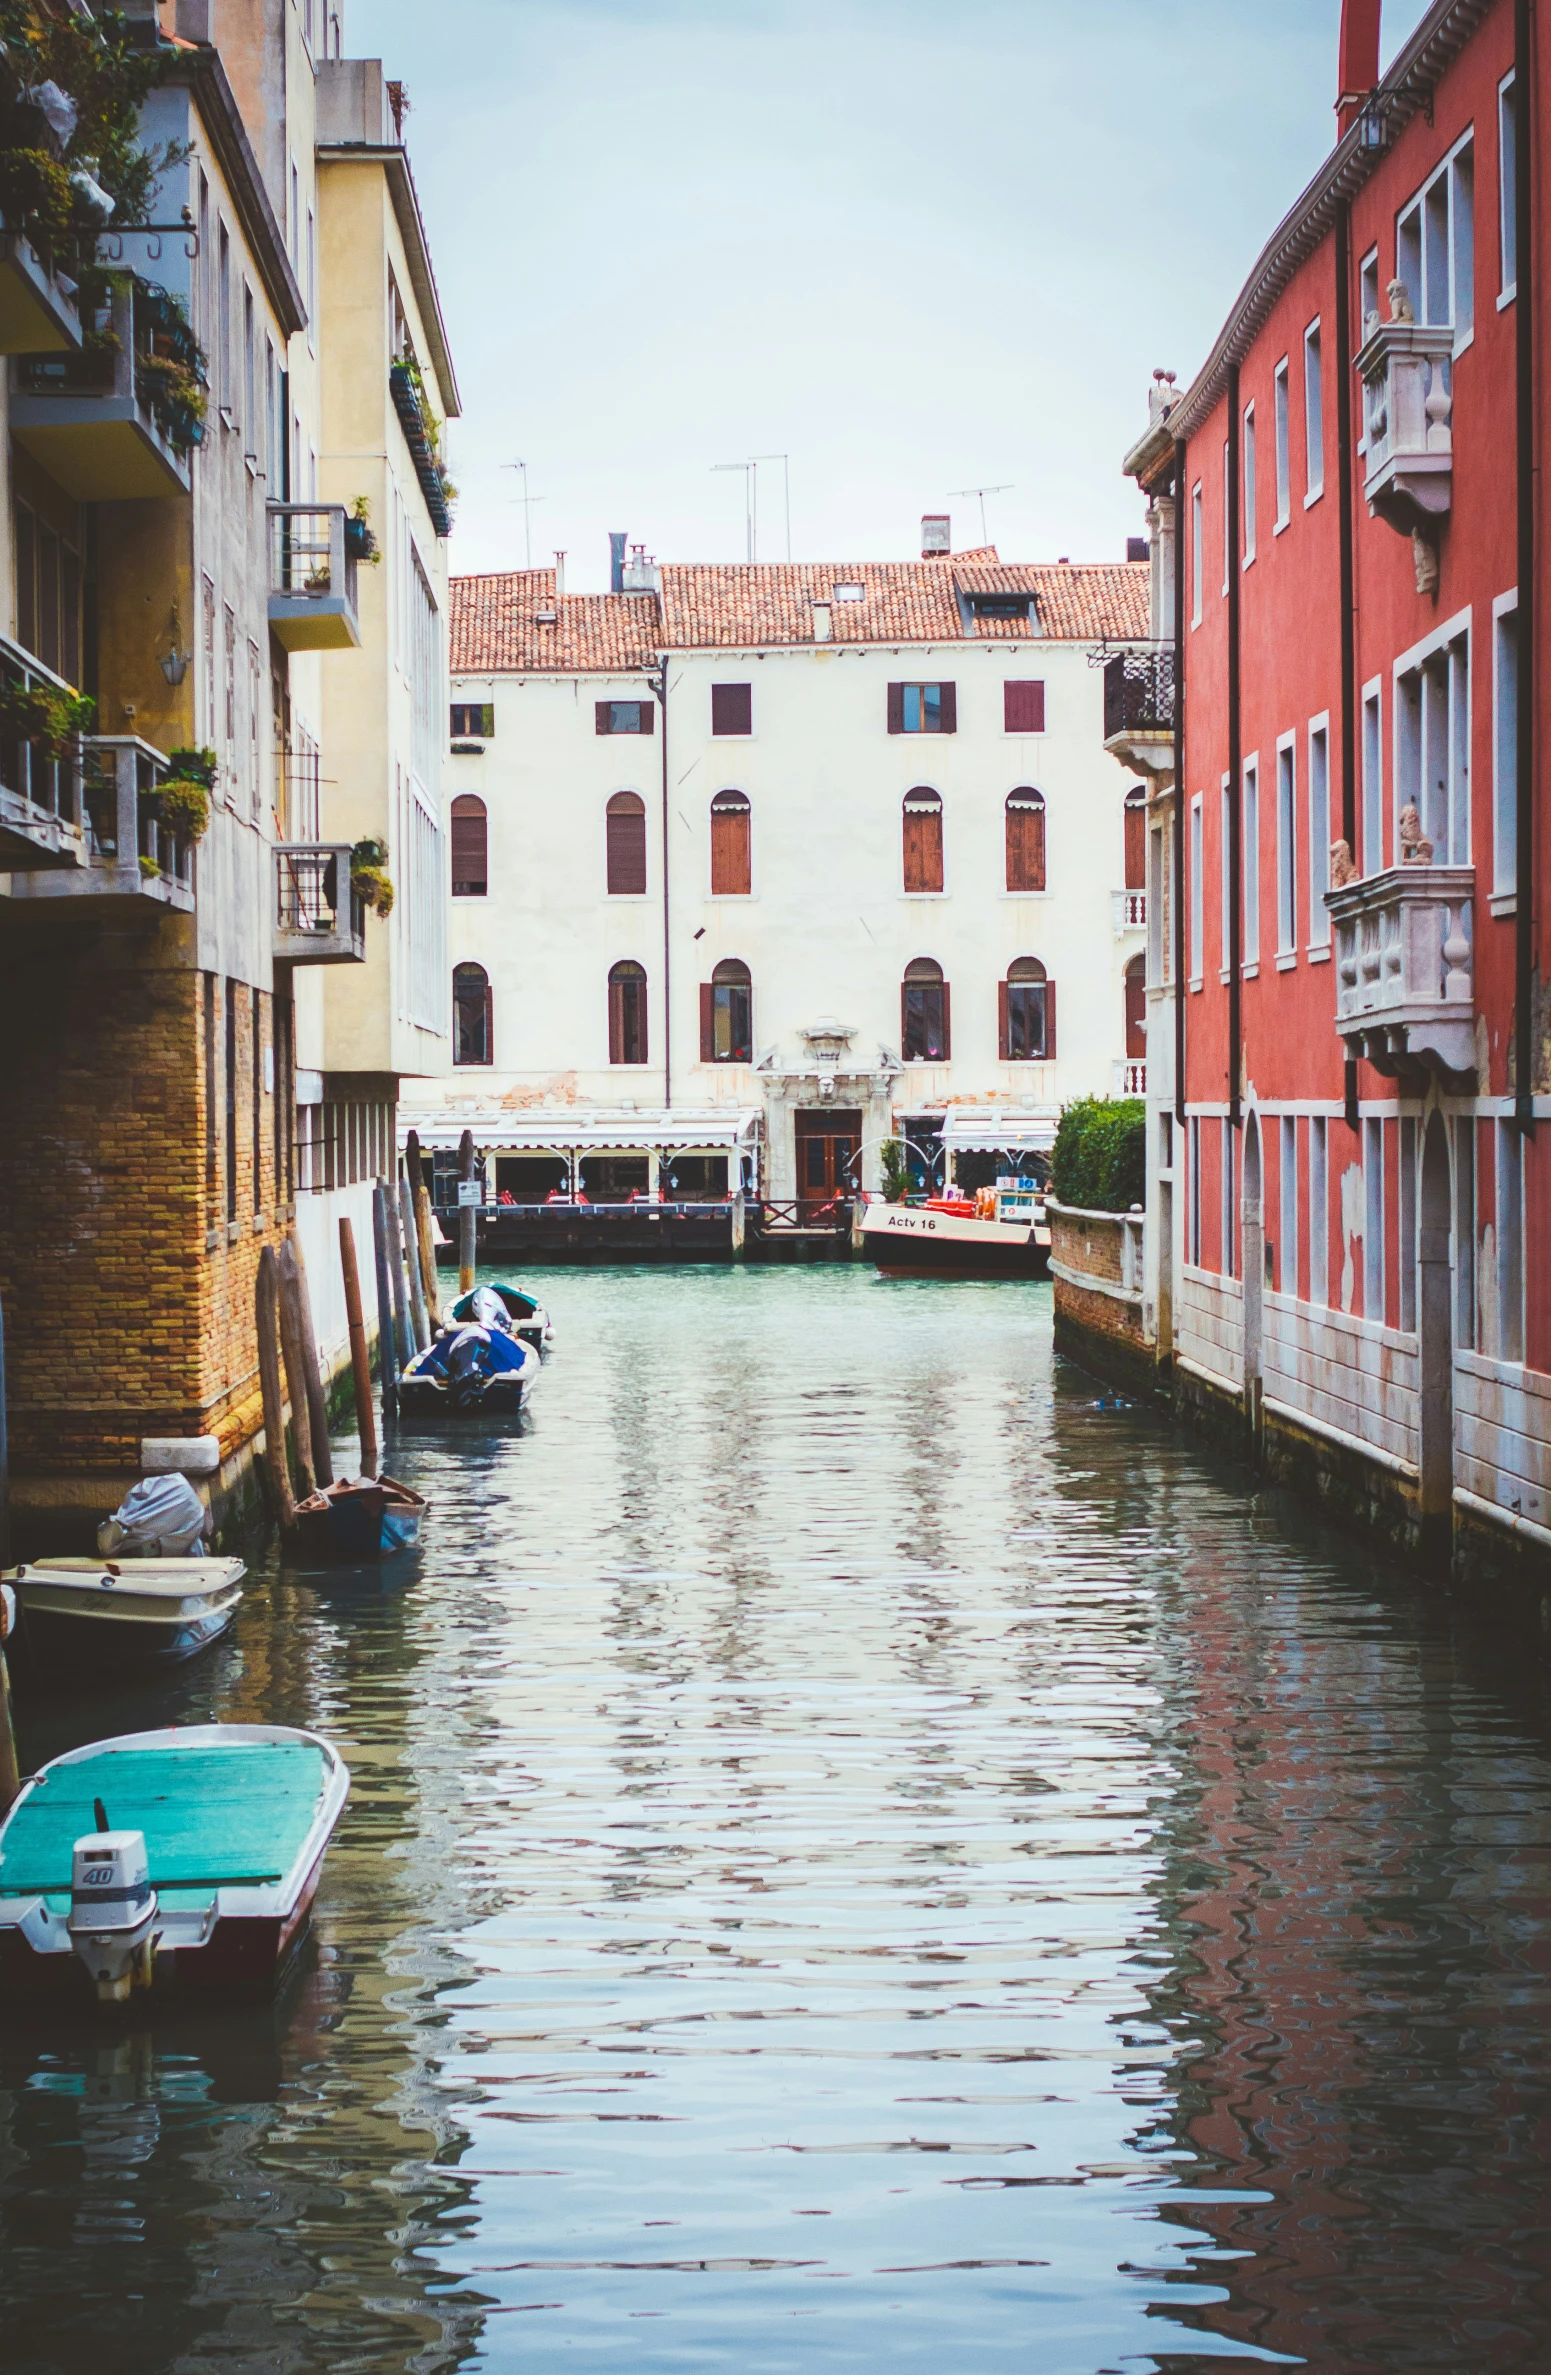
1371, 123
174, 663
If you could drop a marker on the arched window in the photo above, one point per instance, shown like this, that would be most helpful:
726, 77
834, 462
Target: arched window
1136, 838
1025, 839
1136, 1009
626, 828
923, 839
473, 1021
727, 1015
1028, 1018
470, 848
731, 869
924, 1032
627, 1014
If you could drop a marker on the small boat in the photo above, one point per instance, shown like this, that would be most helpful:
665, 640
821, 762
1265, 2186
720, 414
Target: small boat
528, 1316
469, 1372
948, 1238
184, 1859
359, 1518
126, 1611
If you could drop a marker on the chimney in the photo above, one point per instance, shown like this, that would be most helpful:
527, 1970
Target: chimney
559, 576
936, 535
616, 561
1138, 549
640, 574
1357, 68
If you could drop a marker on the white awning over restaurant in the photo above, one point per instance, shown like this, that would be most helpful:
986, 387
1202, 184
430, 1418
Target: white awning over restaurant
589, 1130
986, 1129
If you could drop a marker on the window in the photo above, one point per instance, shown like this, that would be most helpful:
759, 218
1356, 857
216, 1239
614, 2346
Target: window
1507, 187
470, 848
1287, 848
1465, 1232
1319, 1213
1505, 745
1028, 1013
624, 717
1000, 606
732, 709
1313, 416
1432, 748
1193, 1249
1023, 706
1435, 245
923, 709
472, 1018
923, 840
1287, 1219
1249, 484
1195, 554
1319, 835
232, 1011
1405, 1235
1025, 839
727, 1015
255, 713
1283, 446
924, 1013
1373, 1220
1136, 1009
1251, 868
1224, 872
249, 371
1229, 1212
1135, 829
230, 704
731, 851
1227, 514
627, 1014
48, 594
224, 318
209, 660
850, 593
256, 1081
1197, 896
625, 830
1372, 857
475, 720
1510, 1243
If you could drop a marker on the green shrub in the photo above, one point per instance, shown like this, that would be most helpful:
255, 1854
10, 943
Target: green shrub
1100, 1158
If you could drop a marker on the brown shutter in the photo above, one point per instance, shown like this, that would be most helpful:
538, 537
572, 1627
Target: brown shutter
603, 717
1003, 1023
949, 708
731, 872
1136, 845
646, 713
896, 709
616, 1022
470, 855
904, 1018
626, 833
707, 1023
732, 709
931, 850
1136, 1010
1050, 1018
1023, 706
947, 1022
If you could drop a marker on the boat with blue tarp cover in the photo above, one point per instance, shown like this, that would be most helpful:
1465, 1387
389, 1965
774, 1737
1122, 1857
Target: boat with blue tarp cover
477, 1367
184, 1859
527, 1315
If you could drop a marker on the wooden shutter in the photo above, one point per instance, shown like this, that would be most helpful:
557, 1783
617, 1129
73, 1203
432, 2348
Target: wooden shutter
470, 854
603, 717
1025, 846
731, 867
1050, 1018
646, 717
947, 1022
1003, 1023
896, 709
707, 1023
626, 848
904, 1018
732, 709
948, 712
1136, 1010
1136, 845
1023, 706
931, 850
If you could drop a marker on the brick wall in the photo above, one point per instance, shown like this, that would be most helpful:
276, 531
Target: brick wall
1098, 1294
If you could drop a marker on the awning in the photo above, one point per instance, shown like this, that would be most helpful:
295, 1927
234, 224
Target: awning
592, 1129
981, 1129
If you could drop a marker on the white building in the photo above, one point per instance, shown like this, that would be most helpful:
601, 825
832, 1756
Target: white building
855, 865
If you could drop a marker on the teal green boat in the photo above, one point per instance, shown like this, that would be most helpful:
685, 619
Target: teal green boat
183, 1860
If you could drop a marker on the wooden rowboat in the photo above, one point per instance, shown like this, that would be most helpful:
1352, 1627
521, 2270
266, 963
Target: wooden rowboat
359, 1519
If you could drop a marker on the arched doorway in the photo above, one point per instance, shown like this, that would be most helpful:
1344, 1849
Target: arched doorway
1435, 1458
1254, 1253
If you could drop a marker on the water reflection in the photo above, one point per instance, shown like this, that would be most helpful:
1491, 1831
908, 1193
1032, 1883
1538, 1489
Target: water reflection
858, 1859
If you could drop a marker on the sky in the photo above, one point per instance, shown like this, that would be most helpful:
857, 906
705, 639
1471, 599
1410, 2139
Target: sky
917, 246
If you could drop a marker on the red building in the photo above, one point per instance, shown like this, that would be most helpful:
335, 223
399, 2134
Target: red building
1350, 1161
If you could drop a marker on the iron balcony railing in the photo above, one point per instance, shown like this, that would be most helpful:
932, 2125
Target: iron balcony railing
312, 576
409, 404
40, 797
1139, 692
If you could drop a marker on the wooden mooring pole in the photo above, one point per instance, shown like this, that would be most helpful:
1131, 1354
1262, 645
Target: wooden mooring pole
387, 1366
266, 1312
423, 1236
468, 1240
411, 1237
365, 1408
403, 1341
295, 1368
317, 1404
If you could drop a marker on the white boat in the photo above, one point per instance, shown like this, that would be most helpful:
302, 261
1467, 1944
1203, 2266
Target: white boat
126, 1612
947, 1238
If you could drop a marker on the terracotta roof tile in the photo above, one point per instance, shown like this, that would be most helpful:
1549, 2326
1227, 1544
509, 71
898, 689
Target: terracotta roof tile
497, 631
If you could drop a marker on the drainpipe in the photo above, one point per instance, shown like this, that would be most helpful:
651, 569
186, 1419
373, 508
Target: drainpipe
1180, 512
1234, 854
659, 685
1524, 756
1345, 496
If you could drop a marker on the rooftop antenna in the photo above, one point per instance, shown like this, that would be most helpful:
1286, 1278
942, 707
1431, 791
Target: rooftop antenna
785, 461
527, 501
1004, 489
750, 499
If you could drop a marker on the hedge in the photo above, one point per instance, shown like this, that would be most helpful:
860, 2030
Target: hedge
1100, 1158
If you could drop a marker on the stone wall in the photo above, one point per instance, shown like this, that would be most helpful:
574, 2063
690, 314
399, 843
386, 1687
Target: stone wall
1096, 1263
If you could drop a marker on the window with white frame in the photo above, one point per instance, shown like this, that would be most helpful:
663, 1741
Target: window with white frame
1249, 484
1505, 743
1367, 314
1373, 1220
1195, 554
1251, 865
1507, 189
1435, 244
1197, 896
1313, 415
1283, 445
1319, 832
1227, 514
1510, 1243
1406, 1233
1193, 1255
1286, 846
1319, 1212
1465, 1232
1287, 1223
1432, 745
1225, 872
1229, 1204
1372, 857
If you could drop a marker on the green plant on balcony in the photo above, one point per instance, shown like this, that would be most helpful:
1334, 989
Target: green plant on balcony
369, 877
360, 543
171, 372
48, 716
54, 172
36, 191
183, 805
149, 868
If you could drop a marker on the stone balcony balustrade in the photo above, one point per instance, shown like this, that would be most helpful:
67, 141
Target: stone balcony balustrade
133, 866
1408, 401
1405, 989
96, 421
41, 824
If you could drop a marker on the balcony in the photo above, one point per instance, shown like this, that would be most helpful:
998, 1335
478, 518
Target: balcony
135, 869
1405, 993
420, 435
1407, 403
1139, 711
1128, 1076
40, 797
38, 313
320, 918
312, 577
101, 423
1128, 911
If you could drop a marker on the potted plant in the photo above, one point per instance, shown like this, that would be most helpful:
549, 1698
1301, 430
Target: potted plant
47, 715
360, 543
369, 877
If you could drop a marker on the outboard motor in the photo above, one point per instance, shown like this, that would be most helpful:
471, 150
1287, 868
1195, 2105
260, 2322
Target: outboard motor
468, 1368
112, 1909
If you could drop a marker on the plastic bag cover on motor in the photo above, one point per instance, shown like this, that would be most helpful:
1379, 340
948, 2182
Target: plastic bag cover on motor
160, 1517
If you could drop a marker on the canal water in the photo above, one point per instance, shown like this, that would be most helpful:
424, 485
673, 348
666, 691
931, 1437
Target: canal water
865, 1854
